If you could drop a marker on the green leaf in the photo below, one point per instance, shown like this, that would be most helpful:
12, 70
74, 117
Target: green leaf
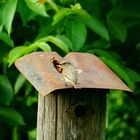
95, 25
3, 54
77, 33
77, 9
5, 38
15, 53
133, 75
65, 2
57, 41
118, 30
20, 81
28, 88
37, 7
108, 54
44, 46
60, 15
92, 22
9, 12
22, 50
43, 31
63, 12
120, 13
11, 116
66, 41
25, 13
53, 5
114, 61
19, 51
101, 44
6, 94
1, 17
120, 71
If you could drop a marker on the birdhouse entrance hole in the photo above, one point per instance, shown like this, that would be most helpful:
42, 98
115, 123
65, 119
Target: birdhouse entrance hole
80, 110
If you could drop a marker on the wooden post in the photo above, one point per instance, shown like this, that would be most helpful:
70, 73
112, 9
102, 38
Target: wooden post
72, 115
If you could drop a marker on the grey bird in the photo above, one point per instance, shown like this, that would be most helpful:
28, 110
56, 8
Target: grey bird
70, 73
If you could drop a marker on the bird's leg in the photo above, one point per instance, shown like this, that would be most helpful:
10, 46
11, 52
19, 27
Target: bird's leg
69, 84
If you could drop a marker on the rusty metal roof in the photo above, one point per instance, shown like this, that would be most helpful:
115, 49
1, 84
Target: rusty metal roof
39, 70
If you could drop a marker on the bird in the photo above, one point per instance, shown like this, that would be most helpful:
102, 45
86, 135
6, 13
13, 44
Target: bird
69, 72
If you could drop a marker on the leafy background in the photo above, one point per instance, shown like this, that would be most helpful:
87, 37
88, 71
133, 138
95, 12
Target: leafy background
109, 29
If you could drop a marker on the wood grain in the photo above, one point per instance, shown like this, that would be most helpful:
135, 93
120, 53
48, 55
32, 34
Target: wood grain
72, 115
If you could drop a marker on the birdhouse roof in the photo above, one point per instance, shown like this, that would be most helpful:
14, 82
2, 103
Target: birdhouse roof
39, 70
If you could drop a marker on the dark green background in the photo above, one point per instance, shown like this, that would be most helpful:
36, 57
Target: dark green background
109, 29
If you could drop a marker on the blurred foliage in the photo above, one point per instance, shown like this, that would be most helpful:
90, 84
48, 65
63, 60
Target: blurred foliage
109, 29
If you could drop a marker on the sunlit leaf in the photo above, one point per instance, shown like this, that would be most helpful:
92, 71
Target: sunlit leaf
1, 17
9, 13
66, 41
37, 7
57, 41
21, 50
63, 12
11, 116
60, 15
6, 94
15, 53
44, 46
77, 9
53, 5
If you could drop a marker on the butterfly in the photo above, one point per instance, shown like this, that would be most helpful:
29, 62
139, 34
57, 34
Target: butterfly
57, 65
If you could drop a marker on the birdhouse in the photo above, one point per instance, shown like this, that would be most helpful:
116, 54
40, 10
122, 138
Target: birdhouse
72, 99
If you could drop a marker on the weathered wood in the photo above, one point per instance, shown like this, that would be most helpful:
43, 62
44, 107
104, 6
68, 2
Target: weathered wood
72, 115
